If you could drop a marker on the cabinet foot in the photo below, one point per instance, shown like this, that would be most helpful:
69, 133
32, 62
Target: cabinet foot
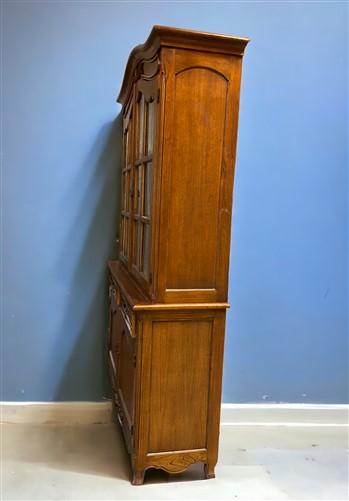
209, 471
138, 477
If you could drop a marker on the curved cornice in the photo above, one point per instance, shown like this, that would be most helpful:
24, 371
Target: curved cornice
164, 36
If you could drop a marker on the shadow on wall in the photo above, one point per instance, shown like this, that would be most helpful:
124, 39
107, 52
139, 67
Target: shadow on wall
78, 358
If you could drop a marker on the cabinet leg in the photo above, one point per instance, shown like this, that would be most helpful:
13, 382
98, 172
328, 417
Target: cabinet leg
138, 477
209, 471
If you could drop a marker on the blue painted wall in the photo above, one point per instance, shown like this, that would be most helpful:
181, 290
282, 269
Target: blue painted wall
62, 67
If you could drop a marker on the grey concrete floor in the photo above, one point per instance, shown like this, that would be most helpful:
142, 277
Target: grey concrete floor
45, 462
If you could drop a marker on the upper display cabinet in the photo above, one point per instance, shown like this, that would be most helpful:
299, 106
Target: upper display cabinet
180, 98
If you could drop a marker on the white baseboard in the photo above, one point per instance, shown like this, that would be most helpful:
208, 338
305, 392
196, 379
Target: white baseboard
284, 415
56, 412
231, 414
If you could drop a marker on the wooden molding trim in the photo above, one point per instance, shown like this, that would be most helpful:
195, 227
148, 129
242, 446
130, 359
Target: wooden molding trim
166, 36
182, 306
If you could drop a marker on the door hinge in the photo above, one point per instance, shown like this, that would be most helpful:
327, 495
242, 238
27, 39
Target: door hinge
158, 96
150, 278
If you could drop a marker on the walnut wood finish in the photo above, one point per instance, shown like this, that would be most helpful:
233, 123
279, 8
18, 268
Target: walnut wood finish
168, 290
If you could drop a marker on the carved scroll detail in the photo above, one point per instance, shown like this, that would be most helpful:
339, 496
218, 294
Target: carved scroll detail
147, 69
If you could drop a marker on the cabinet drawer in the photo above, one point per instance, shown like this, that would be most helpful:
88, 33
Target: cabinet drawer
114, 297
127, 314
118, 300
122, 362
126, 425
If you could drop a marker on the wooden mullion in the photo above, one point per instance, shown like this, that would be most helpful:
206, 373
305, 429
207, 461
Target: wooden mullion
142, 219
144, 159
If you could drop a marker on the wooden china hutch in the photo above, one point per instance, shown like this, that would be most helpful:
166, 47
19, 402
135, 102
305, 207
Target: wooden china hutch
168, 288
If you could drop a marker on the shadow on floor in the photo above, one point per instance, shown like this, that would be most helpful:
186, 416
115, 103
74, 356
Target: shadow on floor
86, 449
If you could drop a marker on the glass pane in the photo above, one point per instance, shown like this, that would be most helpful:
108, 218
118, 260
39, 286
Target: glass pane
150, 126
122, 235
135, 244
123, 191
148, 188
139, 244
128, 149
146, 249
126, 225
138, 188
136, 198
125, 198
140, 127
125, 152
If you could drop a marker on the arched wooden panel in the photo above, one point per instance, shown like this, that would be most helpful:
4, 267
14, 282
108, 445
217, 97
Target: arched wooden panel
197, 153
198, 67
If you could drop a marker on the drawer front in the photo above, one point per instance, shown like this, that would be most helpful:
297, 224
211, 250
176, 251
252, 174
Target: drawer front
127, 314
118, 300
122, 360
114, 297
127, 429
126, 371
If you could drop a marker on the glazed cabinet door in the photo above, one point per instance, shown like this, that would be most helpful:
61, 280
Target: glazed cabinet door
145, 110
126, 185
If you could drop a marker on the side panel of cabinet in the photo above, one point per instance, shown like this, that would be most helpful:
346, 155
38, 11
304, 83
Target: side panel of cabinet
180, 388
201, 111
179, 384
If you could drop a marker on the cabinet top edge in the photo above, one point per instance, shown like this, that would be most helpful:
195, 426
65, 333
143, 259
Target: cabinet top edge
140, 302
167, 36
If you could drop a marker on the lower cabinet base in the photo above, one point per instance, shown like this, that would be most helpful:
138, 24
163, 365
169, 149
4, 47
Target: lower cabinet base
138, 475
174, 463
166, 371
209, 471
171, 462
